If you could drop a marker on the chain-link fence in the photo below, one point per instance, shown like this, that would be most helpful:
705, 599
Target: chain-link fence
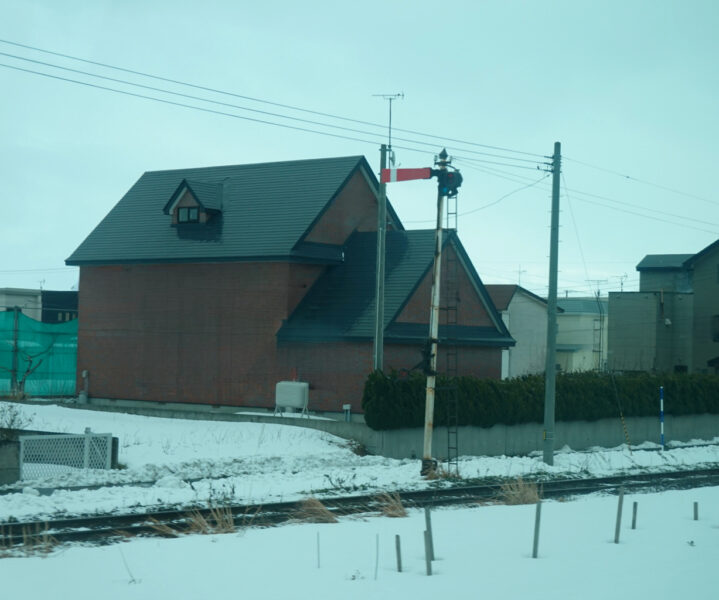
51, 455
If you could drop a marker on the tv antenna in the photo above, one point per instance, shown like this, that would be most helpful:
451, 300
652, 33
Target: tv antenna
391, 98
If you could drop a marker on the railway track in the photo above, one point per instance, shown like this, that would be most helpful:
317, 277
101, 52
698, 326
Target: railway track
104, 529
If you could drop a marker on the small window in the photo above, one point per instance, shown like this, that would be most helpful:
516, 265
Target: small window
188, 214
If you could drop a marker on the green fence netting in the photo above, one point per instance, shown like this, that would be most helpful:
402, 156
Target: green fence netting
37, 358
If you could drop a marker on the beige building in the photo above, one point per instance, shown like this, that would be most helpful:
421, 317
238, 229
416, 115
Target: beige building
582, 334
29, 301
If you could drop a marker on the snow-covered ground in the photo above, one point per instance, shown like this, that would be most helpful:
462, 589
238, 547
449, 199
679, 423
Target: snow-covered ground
171, 462
481, 551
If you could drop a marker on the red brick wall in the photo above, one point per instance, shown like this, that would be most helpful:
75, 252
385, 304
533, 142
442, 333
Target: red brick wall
186, 332
471, 360
355, 208
207, 333
337, 371
470, 310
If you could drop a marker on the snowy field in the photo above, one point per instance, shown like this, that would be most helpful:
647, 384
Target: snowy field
170, 462
482, 551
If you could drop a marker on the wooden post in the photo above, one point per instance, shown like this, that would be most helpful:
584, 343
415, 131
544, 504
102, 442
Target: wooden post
537, 518
428, 524
427, 556
620, 502
376, 557
398, 548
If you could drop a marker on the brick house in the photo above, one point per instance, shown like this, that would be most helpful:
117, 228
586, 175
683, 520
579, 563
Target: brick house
210, 285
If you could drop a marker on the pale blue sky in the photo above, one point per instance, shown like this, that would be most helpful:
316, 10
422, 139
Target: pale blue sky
628, 86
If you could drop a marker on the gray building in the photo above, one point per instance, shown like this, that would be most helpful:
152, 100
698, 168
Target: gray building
672, 322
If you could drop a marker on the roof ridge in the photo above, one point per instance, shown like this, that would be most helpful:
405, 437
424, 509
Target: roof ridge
276, 162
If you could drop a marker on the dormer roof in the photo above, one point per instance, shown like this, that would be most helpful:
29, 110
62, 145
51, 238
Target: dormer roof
208, 194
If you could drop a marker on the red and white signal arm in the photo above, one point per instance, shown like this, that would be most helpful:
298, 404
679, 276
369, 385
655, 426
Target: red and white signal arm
392, 175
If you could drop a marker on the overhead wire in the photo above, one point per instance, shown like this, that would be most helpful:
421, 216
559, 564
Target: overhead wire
224, 113
642, 181
470, 162
278, 104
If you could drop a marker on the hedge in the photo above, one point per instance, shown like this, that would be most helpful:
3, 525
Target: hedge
392, 402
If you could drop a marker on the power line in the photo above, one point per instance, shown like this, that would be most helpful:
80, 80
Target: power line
468, 160
638, 214
260, 100
469, 212
190, 106
245, 108
223, 113
659, 212
642, 181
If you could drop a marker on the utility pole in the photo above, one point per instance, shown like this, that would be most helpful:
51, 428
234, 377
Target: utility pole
550, 371
15, 349
448, 182
428, 463
378, 353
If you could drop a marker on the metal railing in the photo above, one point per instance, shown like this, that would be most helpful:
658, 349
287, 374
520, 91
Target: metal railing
50, 455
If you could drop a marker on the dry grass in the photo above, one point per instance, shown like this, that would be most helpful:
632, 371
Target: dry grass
391, 505
161, 528
313, 511
218, 520
36, 540
519, 492
440, 472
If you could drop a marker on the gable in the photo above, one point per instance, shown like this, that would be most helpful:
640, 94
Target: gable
341, 305
354, 209
471, 310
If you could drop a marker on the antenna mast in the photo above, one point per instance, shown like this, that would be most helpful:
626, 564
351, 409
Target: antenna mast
391, 98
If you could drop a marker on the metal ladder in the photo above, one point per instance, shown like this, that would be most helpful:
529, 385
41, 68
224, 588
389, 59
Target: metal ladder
449, 310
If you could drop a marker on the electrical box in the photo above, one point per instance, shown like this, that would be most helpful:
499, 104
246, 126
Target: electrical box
292, 395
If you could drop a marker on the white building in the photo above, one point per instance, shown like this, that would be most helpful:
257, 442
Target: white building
525, 315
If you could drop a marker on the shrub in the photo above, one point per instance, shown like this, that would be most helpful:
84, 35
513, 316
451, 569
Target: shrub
393, 401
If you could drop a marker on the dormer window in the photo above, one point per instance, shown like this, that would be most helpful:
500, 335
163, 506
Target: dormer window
188, 214
195, 202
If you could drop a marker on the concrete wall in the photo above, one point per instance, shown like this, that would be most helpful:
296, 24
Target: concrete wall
500, 440
503, 440
650, 331
706, 307
669, 280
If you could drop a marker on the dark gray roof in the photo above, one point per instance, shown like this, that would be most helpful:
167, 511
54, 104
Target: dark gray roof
209, 195
699, 255
341, 305
663, 261
589, 306
502, 294
267, 208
